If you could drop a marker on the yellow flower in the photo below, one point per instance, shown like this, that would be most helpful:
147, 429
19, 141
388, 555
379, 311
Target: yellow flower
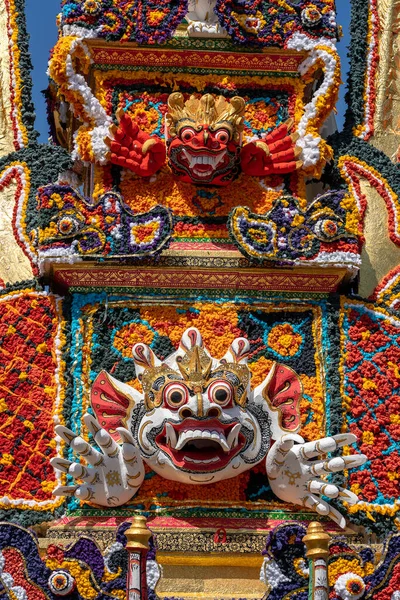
356, 488
6, 459
298, 220
342, 565
368, 437
48, 486
368, 384
91, 7
132, 334
284, 340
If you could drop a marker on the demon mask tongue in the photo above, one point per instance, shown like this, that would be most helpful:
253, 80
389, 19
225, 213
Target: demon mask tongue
204, 137
197, 424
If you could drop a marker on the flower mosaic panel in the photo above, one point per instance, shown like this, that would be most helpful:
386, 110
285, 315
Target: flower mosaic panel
105, 329
31, 397
259, 23
371, 401
81, 571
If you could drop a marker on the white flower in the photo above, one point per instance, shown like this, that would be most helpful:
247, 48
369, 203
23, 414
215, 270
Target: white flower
19, 592
153, 574
61, 583
271, 574
350, 586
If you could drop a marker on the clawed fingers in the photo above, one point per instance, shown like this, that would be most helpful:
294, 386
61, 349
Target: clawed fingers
76, 470
79, 446
130, 458
126, 436
323, 508
328, 444
336, 464
331, 491
279, 453
101, 437
148, 144
288, 440
65, 490
85, 493
60, 464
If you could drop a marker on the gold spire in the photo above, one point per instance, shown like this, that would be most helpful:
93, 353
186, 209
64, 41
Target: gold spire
195, 365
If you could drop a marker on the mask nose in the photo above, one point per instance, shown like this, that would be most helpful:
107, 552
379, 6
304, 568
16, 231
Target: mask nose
213, 412
186, 413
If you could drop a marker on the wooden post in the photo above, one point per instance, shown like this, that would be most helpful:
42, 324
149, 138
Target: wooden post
138, 536
317, 543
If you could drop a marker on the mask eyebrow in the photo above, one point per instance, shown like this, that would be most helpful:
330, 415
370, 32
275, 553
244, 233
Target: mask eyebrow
158, 383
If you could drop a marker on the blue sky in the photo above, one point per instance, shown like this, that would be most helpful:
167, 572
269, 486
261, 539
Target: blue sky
41, 18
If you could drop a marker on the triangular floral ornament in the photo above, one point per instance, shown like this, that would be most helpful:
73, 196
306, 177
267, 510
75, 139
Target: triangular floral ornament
288, 233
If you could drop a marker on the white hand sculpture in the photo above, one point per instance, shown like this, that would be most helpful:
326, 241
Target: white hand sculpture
295, 477
202, 20
111, 477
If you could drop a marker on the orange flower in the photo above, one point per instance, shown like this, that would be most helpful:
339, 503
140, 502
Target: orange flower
284, 340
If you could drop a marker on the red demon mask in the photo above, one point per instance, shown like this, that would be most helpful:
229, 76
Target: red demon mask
204, 136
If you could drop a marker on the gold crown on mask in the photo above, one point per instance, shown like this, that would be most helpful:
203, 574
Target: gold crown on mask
195, 369
207, 110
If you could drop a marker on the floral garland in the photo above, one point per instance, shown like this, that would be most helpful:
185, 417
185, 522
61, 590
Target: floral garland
365, 129
354, 573
149, 22
89, 140
370, 354
32, 384
79, 571
285, 569
363, 59
22, 111
82, 571
315, 151
157, 20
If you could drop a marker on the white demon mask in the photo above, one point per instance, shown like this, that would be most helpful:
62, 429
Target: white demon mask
197, 420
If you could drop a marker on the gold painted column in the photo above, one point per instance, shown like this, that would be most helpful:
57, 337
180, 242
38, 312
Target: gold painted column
317, 544
138, 536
